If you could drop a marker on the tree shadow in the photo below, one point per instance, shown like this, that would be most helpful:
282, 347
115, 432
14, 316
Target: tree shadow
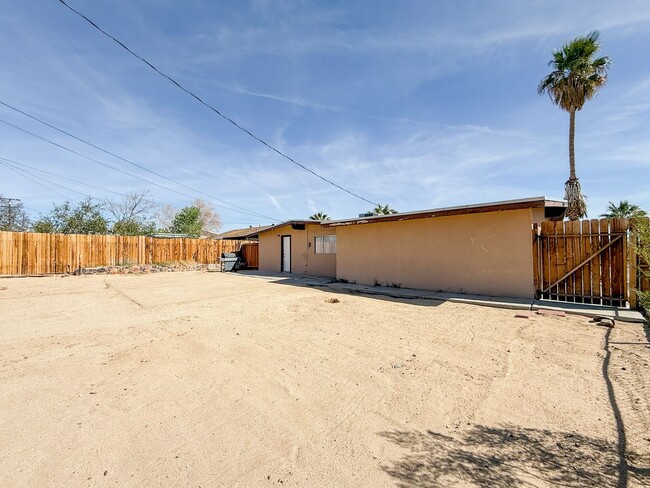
503, 456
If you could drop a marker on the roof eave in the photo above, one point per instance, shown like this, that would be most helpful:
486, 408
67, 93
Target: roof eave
290, 222
535, 202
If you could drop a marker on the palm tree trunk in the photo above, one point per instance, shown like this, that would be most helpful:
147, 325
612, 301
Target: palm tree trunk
576, 204
572, 136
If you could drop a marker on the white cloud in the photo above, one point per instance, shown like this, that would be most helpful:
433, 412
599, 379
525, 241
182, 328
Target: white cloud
275, 202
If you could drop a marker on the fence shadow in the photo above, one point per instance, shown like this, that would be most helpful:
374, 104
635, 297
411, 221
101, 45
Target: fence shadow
503, 456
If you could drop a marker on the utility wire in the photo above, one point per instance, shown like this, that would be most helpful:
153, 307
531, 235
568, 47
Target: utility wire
106, 151
12, 162
252, 214
25, 172
34, 181
214, 109
16, 164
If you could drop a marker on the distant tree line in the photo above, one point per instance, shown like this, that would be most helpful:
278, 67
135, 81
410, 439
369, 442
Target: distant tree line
13, 216
134, 214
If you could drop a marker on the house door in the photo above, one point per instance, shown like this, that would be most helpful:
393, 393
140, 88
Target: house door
285, 261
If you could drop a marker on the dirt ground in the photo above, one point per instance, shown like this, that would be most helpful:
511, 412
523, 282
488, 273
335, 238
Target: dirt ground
209, 379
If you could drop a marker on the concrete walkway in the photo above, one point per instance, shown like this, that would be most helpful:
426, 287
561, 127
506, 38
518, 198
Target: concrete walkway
620, 314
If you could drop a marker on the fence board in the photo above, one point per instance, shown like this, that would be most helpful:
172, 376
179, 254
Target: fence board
576, 259
250, 254
619, 268
25, 253
536, 256
606, 268
559, 245
596, 275
545, 260
568, 261
587, 288
552, 249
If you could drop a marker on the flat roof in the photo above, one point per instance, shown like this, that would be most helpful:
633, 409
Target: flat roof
292, 222
534, 202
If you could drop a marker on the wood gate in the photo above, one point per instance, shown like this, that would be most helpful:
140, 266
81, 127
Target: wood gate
583, 261
251, 254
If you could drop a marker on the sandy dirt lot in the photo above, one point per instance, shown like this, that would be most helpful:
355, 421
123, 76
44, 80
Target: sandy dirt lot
209, 379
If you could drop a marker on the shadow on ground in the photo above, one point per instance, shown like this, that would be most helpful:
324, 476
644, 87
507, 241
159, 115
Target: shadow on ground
503, 456
320, 283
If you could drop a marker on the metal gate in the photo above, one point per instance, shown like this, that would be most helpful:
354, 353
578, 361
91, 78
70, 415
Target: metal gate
583, 261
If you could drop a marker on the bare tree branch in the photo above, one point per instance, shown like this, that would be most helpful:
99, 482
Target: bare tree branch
136, 205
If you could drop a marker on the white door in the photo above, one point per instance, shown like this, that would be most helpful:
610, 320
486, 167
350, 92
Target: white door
286, 254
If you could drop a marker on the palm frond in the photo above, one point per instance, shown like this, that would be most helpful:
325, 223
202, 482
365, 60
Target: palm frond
576, 76
576, 203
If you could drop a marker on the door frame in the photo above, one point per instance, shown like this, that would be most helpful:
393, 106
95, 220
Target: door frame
282, 253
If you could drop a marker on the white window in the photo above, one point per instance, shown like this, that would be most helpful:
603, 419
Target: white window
325, 244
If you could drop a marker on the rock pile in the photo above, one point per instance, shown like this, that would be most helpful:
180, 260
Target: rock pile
146, 268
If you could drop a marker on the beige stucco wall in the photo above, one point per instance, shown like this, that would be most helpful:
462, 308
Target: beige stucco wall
486, 253
303, 258
538, 215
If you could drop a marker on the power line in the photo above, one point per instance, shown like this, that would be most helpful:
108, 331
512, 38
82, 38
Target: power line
137, 165
6, 160
11, 163
34, 181
25, 172
214, 109
249, 213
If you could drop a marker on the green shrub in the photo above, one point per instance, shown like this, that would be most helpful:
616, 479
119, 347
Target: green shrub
641, 243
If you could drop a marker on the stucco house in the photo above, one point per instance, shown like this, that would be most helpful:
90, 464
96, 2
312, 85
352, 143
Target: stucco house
298, 246
482, 248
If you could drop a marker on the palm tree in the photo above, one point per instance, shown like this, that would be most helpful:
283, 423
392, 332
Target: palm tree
576, 77
624, 210
320, 216
383, 210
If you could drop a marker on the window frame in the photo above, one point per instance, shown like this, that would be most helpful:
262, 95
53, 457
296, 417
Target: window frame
324, 245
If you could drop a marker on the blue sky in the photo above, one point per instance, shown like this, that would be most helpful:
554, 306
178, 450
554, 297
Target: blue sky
418, 104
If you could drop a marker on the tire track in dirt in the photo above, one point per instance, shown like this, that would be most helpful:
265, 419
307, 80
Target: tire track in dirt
112, 287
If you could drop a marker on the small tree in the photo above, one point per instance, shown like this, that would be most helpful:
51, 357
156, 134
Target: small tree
209, 216
320, 216
210, 219
641, 243
132, 215
83, 218
624, 210
384, 210
165, 217
188, 221
13, 217
133, 228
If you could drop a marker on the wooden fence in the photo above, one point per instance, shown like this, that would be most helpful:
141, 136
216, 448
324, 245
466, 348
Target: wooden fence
589, 261
26, 253
250, 254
